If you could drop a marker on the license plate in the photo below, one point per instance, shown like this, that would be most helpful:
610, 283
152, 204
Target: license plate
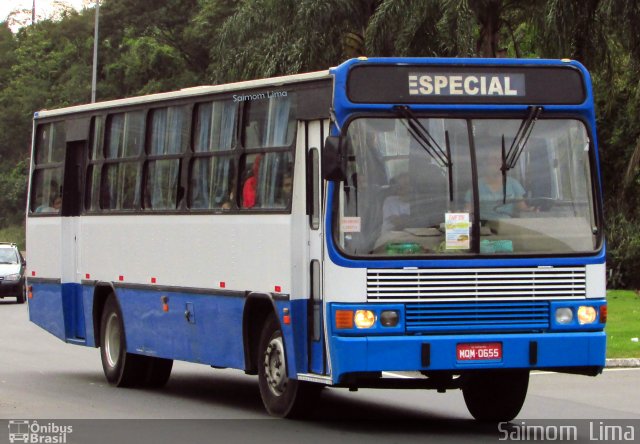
479, 352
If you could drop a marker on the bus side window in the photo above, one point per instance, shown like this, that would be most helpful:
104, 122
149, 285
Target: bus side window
121, 175
268, 181
212, 172
168, 140
46, 195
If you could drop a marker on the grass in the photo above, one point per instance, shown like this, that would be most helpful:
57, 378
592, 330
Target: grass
623, 323
14, 233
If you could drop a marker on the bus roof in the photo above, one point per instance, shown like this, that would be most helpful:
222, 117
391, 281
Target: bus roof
186, 92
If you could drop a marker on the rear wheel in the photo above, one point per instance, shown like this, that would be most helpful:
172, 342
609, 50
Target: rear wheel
495, 396
121, 369
158, 372
282, 397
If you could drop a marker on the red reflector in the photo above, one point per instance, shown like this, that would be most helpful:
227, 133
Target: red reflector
286, 319
121, 278
223, 284
278, 289
33, 273
87, 276
153, 280
603, 314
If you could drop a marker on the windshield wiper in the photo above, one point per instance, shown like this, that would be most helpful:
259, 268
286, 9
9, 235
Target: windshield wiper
442, 156
510, 158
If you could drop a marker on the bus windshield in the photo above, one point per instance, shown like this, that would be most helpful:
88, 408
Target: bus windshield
410, 188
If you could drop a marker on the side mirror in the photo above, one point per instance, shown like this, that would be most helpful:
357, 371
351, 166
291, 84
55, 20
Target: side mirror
334, 161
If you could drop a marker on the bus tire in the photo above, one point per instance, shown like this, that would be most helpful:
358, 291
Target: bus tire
495, 396
158, 372
281, 396
121, 369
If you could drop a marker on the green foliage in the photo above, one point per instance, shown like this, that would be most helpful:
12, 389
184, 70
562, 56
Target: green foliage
147, 47
623, 243
15, 234
622, 324
13, 194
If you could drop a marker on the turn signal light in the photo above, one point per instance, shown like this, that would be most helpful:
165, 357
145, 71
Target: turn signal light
603, 314
344, 319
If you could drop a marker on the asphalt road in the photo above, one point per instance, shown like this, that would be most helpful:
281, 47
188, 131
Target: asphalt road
45, 379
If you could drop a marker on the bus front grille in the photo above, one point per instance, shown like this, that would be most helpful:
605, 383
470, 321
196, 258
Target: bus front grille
473, 284
482, 316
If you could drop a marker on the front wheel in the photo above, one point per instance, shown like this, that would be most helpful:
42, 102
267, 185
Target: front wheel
495, 396
282, 397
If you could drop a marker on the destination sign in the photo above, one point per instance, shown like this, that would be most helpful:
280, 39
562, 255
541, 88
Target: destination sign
530, 85
466, 85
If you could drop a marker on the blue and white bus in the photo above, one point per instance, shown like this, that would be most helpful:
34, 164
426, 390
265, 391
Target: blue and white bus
388, 223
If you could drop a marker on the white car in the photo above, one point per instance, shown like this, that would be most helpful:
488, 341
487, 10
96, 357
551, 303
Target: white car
12, 266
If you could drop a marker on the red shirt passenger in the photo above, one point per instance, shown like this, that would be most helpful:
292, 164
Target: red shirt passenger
250, 187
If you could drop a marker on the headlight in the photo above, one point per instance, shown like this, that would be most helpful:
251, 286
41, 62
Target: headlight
587, 315
364, 319
12, 277
564, 315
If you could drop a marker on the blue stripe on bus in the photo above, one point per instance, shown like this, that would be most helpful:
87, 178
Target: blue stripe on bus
215, 337
46, 308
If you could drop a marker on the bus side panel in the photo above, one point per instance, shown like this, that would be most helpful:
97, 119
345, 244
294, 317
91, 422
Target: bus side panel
72, 306
88, 292
204, 328
295, 335
46, 308
59, 310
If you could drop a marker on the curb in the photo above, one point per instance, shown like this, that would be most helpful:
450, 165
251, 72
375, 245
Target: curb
623, 363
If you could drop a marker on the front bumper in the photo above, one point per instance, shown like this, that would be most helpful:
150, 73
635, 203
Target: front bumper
582, 352
11, 288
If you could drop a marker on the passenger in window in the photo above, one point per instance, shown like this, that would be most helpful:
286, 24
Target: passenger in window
250, 186
286, 190
44, 207
52, 206
229, 203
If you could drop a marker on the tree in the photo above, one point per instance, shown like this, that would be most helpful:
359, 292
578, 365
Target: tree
276, 37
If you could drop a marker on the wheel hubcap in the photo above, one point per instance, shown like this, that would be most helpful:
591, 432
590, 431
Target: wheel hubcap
275, 367
112, 340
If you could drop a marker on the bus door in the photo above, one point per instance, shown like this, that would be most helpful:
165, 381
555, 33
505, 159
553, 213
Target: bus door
316, 132
75, 156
